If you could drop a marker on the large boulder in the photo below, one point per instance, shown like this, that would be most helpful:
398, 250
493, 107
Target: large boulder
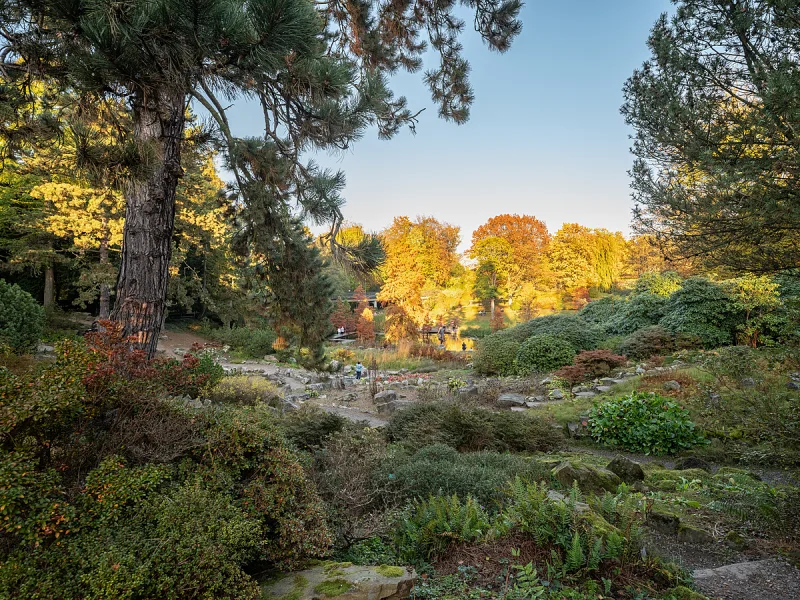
595, 480
510, 400
343, 581
629, 471
692, 462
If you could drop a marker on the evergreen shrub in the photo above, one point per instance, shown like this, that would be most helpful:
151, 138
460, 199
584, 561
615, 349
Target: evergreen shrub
496, 353
647, 342
640, 311
543, 353
471, 429
22, 319
703, 309
646, 423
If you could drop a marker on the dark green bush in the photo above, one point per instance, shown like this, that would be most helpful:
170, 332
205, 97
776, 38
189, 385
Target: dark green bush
543, 353
598, 312
253, 342
646, 423
442, 470
496, 354
703, 309
309, 427
640, 311
22, 319
466, 429
568, 327
647, 342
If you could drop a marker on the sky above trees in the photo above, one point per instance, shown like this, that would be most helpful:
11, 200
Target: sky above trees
545, 136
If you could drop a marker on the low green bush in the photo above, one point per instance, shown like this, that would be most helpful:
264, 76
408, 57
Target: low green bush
244, 390
252, 342
471, 429
442, 470
598, 312
703, 309
646, 423
22, 319
543, 353
640, 311
568, 327
309, 427
496, 354
647, 342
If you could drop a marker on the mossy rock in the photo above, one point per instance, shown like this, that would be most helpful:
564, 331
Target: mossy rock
330, 588
735, 540
693, 535
663, 521
591, 480
683, 593
598, 524
343, 581
676, 477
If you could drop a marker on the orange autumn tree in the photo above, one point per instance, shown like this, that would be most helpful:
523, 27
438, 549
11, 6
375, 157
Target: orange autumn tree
419, 254
527, 236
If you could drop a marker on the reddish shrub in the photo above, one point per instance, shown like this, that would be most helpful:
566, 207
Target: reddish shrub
589, 365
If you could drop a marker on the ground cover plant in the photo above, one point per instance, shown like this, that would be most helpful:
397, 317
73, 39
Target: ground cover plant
642, 422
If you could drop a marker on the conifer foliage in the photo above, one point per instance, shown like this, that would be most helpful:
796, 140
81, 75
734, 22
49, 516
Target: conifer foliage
320, 82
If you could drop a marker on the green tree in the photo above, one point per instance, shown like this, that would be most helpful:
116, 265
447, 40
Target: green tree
497, 271
715, 112
317, 70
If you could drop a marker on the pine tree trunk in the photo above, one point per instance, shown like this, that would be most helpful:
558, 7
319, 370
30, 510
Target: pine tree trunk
149, 222
105, 293
49, 286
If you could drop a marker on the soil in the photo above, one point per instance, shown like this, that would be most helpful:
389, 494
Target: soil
771, 579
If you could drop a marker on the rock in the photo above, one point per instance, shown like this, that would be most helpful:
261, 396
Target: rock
385, 396
335, 366
577, 429
735, 541
519, 408
663, 522
344, 581
603, 388
793, 385
640, 370
469, 391
692, 535
545, 381
530, 404
535, 399
590, 479
626, 469
555, 496
672, 386
770, 579
556, 395
509, 400
748, 382
586, 394
317, 387
691, 462
608, 381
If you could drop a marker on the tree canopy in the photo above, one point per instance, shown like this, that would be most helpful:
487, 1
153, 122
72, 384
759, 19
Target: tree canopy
715, 109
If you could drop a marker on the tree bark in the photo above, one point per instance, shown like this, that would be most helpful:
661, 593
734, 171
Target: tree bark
105, 293
149, 221
49, 286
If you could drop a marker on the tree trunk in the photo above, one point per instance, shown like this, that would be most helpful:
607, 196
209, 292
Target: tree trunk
105, 293
149, 221
49, 286
492, 310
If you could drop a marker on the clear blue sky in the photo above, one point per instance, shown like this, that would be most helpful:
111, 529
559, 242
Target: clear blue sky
545, 136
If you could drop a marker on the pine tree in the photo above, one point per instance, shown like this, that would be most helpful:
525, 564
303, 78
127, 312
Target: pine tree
318, 88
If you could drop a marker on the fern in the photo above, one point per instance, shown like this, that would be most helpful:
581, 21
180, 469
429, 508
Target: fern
575, 555
595, 555
615, 545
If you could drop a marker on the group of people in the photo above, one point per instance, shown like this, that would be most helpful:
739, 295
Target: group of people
340, 330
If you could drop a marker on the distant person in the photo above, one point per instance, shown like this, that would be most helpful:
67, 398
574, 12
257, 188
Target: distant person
359, 369
463, 346
441, 334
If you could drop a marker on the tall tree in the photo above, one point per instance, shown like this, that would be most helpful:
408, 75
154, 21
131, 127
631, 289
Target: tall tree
418, 253
317, 69
526, 234
715, 110
497, 270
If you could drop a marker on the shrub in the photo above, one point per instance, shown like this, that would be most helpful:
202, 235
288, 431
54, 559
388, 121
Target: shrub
646, 423
425, 424
647, 342
244, 390
496, 354
600, 311
703, 309
542, 353
567, 327
309, 427
21, 318
255, 342
642, 310
661, 284
441, 469
590, 365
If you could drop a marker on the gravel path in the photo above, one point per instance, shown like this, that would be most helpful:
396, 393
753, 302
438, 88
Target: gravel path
770, 579
354, 415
